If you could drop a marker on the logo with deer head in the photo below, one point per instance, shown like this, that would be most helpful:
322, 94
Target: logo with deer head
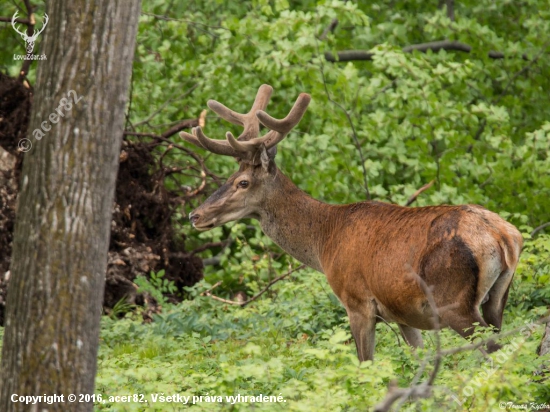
29, 40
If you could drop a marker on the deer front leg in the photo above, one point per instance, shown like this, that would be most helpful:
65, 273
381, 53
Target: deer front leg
363, 326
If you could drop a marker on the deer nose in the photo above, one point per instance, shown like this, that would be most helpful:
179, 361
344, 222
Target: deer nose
193, 217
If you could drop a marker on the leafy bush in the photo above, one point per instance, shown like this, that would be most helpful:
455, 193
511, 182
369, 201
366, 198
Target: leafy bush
297, 344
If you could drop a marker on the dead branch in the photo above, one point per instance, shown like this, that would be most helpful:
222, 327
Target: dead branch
539, 228
394, 394
214, 286
495, 336
545, 343
391, 328
253, 298
450, 9
424, 390
164, 137
210, 245
202, 118
435, 46
329, 29
521, 71
412, 199
185, 124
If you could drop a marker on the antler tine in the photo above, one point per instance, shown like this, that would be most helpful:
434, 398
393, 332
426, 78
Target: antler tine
241, 146
248, 120
191, 139
282, 127
291, 120
246, 146
198, 138
226, 113
279, 127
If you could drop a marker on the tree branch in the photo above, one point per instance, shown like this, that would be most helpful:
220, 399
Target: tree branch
164, 137
185, 124
20, 21
539, 228
418, 192
523, 70
450, 9
210, 245
253, 298
329, 29
435, 46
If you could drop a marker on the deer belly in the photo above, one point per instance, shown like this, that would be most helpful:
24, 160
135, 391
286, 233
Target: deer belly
417, 314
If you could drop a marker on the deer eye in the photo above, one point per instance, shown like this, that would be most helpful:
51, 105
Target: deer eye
243, 184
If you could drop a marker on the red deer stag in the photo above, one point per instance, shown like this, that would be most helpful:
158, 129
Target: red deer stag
378, 257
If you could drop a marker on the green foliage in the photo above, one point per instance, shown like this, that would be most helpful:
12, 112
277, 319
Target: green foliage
156, 285
120, 308
531, 288
298, 345
478, 126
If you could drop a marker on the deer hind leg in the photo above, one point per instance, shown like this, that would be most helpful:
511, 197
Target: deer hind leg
462, 321
363, 326
412, 336
493, 307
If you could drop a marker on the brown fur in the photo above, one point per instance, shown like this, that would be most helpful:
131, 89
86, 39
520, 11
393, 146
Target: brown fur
373, 253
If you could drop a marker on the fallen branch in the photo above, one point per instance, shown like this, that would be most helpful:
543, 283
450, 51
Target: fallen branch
253, 298
435, 46
418, 192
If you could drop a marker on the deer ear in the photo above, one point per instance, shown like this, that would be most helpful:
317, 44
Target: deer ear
267, 157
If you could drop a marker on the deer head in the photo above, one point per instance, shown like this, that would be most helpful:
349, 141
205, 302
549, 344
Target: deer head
29, 39
243, 193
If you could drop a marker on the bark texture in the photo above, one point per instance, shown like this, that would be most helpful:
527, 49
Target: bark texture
65, 203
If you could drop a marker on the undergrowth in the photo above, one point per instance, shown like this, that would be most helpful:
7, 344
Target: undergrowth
295, 344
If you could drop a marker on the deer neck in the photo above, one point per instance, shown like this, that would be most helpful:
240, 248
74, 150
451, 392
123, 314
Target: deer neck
295, 221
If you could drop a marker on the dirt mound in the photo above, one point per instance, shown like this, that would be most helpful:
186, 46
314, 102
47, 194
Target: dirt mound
15, 107
142, 233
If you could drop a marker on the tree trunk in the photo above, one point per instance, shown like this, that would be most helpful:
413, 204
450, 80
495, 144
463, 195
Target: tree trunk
65, 203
